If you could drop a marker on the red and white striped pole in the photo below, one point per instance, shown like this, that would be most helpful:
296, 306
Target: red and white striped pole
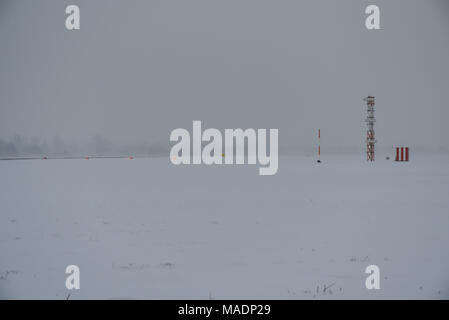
319, 146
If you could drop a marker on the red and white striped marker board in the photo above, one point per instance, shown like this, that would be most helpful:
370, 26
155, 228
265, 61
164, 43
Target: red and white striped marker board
402, 154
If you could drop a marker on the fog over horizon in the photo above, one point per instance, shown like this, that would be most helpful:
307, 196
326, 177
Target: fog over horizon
139, 69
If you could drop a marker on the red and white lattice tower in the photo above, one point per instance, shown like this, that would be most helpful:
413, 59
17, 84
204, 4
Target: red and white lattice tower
370, 136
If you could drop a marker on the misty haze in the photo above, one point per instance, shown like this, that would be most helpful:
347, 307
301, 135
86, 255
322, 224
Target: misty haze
88, 182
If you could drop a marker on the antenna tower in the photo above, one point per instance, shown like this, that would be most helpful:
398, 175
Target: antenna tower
370, 136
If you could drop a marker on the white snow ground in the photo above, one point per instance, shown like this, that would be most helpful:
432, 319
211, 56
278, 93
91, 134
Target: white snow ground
144, 228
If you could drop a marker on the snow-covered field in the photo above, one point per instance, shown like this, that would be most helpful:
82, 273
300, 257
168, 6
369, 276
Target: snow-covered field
144, 228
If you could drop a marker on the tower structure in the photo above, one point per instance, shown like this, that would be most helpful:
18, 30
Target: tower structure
370, 136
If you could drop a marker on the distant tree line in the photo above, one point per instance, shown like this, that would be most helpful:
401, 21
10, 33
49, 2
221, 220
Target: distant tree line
19, 146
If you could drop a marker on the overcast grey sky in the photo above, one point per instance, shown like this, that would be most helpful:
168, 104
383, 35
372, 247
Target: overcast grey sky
138, 69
